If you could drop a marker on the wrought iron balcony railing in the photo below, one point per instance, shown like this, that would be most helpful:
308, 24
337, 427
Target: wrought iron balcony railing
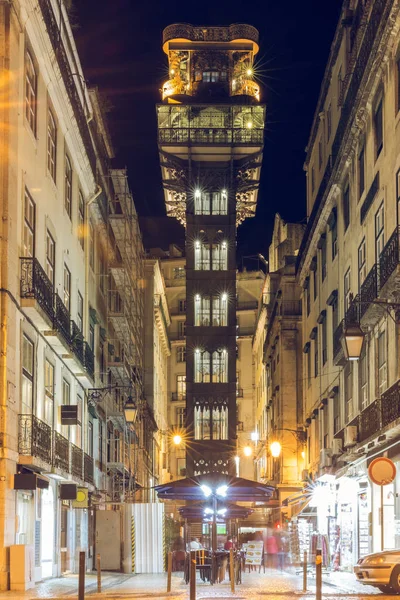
88, 359
178, 397
390, 257
212, 135
76, 461
210, 34
390, 402
370, 420
34, 437
369, 290
62, 319
35, 284
77, 342
61, 452
88, 467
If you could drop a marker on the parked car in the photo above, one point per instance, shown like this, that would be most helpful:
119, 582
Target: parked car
381, 570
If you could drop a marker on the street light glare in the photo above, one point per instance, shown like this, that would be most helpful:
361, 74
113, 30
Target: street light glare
177, 439
206, 490
247, 451
221, 490
275, 449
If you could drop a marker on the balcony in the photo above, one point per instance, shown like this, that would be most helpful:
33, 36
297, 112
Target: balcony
210, 136
390, 402
370, 313
88, 467
389, 261
34, 441
60, 452
60, 335
37, 293
76, 461
370, 421
178, 397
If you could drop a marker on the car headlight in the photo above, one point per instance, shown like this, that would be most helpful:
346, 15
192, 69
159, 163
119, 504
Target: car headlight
380, 560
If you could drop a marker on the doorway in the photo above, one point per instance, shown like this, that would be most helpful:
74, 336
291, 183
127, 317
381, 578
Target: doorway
47, 533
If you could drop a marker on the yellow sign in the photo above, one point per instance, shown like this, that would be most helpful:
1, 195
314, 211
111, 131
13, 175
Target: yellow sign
318, 560
82, 498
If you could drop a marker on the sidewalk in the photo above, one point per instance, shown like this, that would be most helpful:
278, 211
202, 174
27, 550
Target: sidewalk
254, 585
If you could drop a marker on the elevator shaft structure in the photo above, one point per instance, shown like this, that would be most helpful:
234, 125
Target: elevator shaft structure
210, 139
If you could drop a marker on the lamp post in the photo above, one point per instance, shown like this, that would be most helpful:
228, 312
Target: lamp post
221, 492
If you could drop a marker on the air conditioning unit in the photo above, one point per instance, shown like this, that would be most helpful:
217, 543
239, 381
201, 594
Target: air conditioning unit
325, 458
304, 475
337, 446
350, 436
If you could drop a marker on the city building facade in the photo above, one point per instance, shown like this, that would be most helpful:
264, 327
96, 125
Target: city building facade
347, 268
71, 272
210, 137
277, 345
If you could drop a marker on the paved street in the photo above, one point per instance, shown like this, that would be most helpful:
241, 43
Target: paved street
273, 584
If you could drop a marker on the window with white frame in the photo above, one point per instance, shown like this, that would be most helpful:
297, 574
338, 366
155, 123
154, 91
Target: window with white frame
30, 91
48, 392
347, 292
363, 378
79, 312
27, 376
68, 187
67, 288
219, 426
211, 310
181, 387
202, 259
76, 431
29, 226
81, 219
202, 311
181, 354
220, 310
182, 306
220, 257
202, 203
348, 390
178, 273
382, 362
180, 417
379, 231
51, 145
220, 203
50, 256
362, 265
181, 329
202, 422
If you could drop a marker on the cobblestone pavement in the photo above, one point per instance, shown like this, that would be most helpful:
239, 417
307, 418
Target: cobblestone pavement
273, 585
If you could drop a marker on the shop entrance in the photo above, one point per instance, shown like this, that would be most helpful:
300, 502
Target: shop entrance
47, 533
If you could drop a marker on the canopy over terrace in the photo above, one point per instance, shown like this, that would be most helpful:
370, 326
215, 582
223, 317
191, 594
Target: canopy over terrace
235, 489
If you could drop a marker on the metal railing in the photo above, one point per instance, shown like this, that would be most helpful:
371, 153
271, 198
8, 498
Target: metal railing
34, 437
88, 467
88, 359
178, 397
210, 135
35, 284
369, 290
60, 452
370, 420
77, 342
62, 319
390, 403
76, 461
390, 257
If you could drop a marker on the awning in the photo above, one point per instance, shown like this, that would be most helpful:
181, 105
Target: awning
238, 489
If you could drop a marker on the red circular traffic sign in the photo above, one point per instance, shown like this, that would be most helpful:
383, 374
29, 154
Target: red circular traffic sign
382, 471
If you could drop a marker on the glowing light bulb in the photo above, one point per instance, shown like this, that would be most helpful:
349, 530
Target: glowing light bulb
177, 439
172, 71
247, 451
249, 124
197, 192
249, 72
224, 297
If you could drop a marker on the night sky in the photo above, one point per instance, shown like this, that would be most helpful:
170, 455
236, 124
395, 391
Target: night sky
119, 42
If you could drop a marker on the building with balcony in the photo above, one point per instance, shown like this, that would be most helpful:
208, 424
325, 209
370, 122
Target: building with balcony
210, 139
277, 358
67, 221
347, 268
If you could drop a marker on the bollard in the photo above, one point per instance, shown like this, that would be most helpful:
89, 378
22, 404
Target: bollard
98, 567
193, 575
318, 574
305, 571
81, 584
231, 570
169, 571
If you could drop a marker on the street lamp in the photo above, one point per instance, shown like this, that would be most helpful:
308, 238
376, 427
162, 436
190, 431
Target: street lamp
130, 410
275, 449
247, 450
352, 341
177, 439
